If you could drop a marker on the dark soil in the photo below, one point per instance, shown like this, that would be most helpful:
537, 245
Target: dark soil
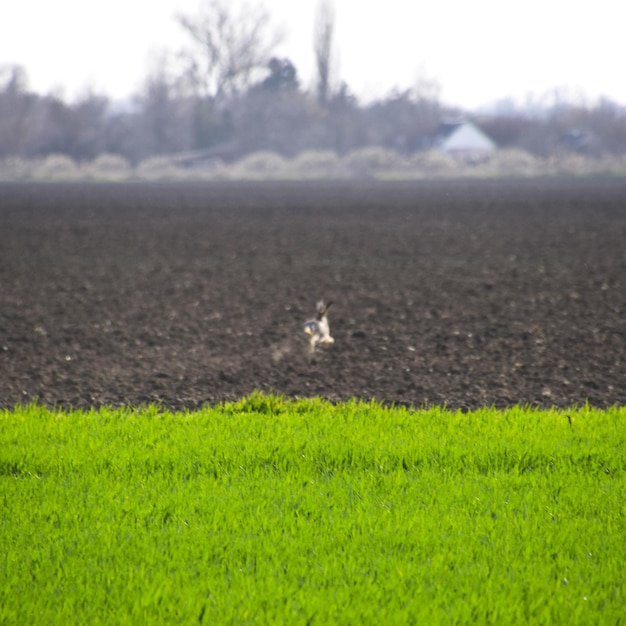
464, 294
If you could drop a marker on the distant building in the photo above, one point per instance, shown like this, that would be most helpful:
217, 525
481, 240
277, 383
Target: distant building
581, 141
225, 152
464, 141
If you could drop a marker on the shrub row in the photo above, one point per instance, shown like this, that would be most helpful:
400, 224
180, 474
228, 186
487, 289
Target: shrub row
372, 162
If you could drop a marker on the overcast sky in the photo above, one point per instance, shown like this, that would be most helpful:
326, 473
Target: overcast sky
478, 51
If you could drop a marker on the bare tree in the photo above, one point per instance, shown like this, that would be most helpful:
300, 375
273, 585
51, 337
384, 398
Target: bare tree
323, 45
12, 99
229, 45
164, 125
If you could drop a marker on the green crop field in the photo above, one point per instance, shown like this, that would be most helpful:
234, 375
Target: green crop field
275, 511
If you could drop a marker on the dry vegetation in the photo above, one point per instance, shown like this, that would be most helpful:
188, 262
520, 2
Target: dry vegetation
369, 163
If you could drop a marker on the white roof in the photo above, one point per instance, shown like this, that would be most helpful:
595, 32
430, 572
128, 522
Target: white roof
467, 137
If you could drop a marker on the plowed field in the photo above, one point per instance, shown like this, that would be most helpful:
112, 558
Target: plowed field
463, 293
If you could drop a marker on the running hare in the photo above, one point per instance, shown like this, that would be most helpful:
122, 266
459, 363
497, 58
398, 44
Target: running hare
317, 328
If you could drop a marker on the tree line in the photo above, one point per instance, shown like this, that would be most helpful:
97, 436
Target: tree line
228, 95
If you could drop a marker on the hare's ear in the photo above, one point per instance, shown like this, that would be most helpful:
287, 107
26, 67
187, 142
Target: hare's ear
328, 306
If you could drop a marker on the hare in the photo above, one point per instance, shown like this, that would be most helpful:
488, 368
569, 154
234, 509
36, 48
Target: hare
317, 329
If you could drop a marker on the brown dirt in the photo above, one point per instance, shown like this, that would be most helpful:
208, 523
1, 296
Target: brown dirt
458, 293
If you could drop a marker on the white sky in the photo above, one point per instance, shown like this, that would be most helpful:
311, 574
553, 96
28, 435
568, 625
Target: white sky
478, 51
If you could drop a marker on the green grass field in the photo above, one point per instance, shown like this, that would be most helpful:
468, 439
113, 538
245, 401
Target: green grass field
270, 511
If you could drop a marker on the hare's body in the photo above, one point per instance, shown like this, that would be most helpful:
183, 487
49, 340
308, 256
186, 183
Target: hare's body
317, 329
